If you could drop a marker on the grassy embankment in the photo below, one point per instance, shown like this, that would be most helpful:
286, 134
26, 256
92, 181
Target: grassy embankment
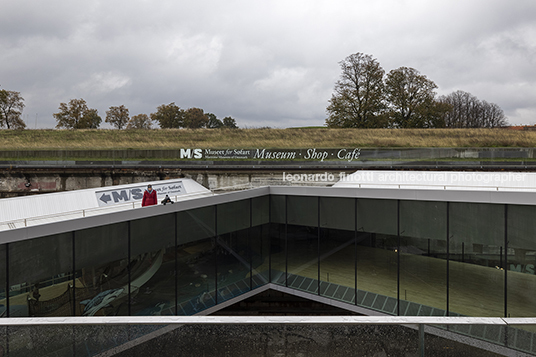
60, 144
261, 138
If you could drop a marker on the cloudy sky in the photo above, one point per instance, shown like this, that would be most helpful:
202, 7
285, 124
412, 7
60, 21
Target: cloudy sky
265, 63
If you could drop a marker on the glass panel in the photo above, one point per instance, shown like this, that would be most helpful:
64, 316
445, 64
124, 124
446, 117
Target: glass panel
260, 207
377, 271
337, 213
233, 216
278, 249
3, 302
423, 219
376, 253
278, 240
476, 252
234, 265
521, 338
377, 216
102, 269
196, 224
152, 234
40, 276
521, 261
337, 248
196, 279
277, 209
302, 211
196, 265
302, 235
423, 265
152, 265
260, 251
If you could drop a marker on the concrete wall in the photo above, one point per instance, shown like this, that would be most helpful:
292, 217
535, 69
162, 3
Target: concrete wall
20, 181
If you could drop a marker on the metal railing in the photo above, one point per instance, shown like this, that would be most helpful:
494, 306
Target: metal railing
439, 187
25, 222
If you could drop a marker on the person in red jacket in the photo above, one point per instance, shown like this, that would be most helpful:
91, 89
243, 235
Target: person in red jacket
149, 197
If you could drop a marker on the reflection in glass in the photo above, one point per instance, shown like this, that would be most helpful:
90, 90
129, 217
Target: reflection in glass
521, 264
476, 251
377, 258
302, 243
196, 260
278, 247
337, 248
3, 281
233, 265
423, 266
260, 241
102, 270
40, 277
196, 280
233, 216
152, 266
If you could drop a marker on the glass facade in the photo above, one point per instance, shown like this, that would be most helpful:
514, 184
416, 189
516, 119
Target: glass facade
401, 257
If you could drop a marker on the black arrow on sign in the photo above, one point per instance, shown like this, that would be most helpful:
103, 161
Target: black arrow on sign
105, 198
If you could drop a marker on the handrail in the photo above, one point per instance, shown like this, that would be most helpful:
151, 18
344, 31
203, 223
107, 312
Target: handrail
237, 186
84, 212
300, 320
439, 186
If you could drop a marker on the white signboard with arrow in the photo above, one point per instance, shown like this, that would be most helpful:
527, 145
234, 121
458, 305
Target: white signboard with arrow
135, 193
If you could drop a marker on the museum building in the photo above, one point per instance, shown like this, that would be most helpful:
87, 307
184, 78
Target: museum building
375, 245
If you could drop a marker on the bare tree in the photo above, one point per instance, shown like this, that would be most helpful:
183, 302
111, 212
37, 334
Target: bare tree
493, 115
467, 111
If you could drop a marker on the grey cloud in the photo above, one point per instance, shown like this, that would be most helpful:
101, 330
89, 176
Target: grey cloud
266, 64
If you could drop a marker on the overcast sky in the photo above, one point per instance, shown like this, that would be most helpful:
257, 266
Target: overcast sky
265, 63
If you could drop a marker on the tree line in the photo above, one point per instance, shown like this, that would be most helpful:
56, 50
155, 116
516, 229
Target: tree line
77, 115
366, 97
